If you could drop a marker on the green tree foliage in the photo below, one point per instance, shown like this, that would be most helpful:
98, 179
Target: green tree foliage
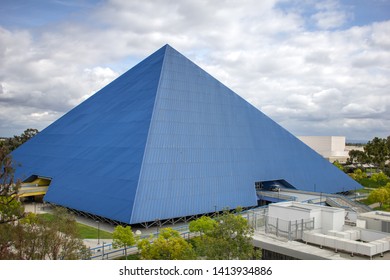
11, 210
356, 156
203, 225
381, 195
169, 245
338, 165
358, 174
10, 144
10, 207
51, 239
229, 237
380, 178
377, 151
36, 238
26, 237
123, 237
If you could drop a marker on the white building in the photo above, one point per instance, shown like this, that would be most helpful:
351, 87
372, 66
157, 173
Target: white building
324, 218
317, 225
375, 220
330, 147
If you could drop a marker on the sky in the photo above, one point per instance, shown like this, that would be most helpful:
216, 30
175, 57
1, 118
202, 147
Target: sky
315, 67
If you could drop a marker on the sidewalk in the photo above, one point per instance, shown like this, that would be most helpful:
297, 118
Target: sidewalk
376, 204
95, 243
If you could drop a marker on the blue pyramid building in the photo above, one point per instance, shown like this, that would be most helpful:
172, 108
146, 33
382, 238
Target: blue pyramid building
167, 140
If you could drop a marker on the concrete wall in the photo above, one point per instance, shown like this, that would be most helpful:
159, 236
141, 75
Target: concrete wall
316, 214
371, 223
283, 211
332, 219
371, 235
330, 147
325, 218
375, 220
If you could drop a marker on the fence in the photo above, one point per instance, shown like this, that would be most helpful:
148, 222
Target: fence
108, 251
257, 218
291, 230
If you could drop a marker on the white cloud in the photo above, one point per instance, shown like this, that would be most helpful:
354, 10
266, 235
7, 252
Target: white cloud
329, 19
330, 14
310, 80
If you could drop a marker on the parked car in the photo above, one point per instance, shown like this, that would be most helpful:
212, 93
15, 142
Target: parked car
274, 189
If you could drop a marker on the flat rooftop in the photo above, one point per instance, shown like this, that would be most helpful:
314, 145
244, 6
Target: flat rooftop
379, 215
300, 250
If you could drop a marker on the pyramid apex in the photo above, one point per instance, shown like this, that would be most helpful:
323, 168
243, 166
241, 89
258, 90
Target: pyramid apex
165, 47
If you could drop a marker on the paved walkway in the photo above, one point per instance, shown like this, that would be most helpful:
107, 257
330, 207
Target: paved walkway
374, 205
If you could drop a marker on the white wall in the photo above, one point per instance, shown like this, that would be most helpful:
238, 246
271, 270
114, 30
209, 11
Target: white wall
332, 219
321, 144
316, 214
371, 235
338, 146
330, 147
279, 210
325, 218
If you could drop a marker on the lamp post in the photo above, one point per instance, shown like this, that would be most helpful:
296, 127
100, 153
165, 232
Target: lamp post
98, 231
158, 226
103, 251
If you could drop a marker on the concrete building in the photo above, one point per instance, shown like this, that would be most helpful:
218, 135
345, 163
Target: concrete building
330, 147
306, 227
375, 220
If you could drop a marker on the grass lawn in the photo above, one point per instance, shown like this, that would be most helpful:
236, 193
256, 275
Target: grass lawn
365, 201
385, 207
47, 216
363, 191
130, 257
366, 182
85, 232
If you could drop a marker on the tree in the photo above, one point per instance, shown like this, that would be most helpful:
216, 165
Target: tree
377, 151
229, 237
38, 238
380, 195
11, 210
358, 174
356, 156
203, 225
62, 237
379, 178
30, 236
10, 207
10, 144
169, 245
338, 165
123, 237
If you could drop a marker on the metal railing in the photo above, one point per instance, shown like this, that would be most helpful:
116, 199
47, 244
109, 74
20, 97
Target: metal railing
108, 251
290, 230
277, 195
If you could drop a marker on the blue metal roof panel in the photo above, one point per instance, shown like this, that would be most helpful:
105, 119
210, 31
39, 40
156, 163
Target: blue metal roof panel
167, 140
207, 146
94, 152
